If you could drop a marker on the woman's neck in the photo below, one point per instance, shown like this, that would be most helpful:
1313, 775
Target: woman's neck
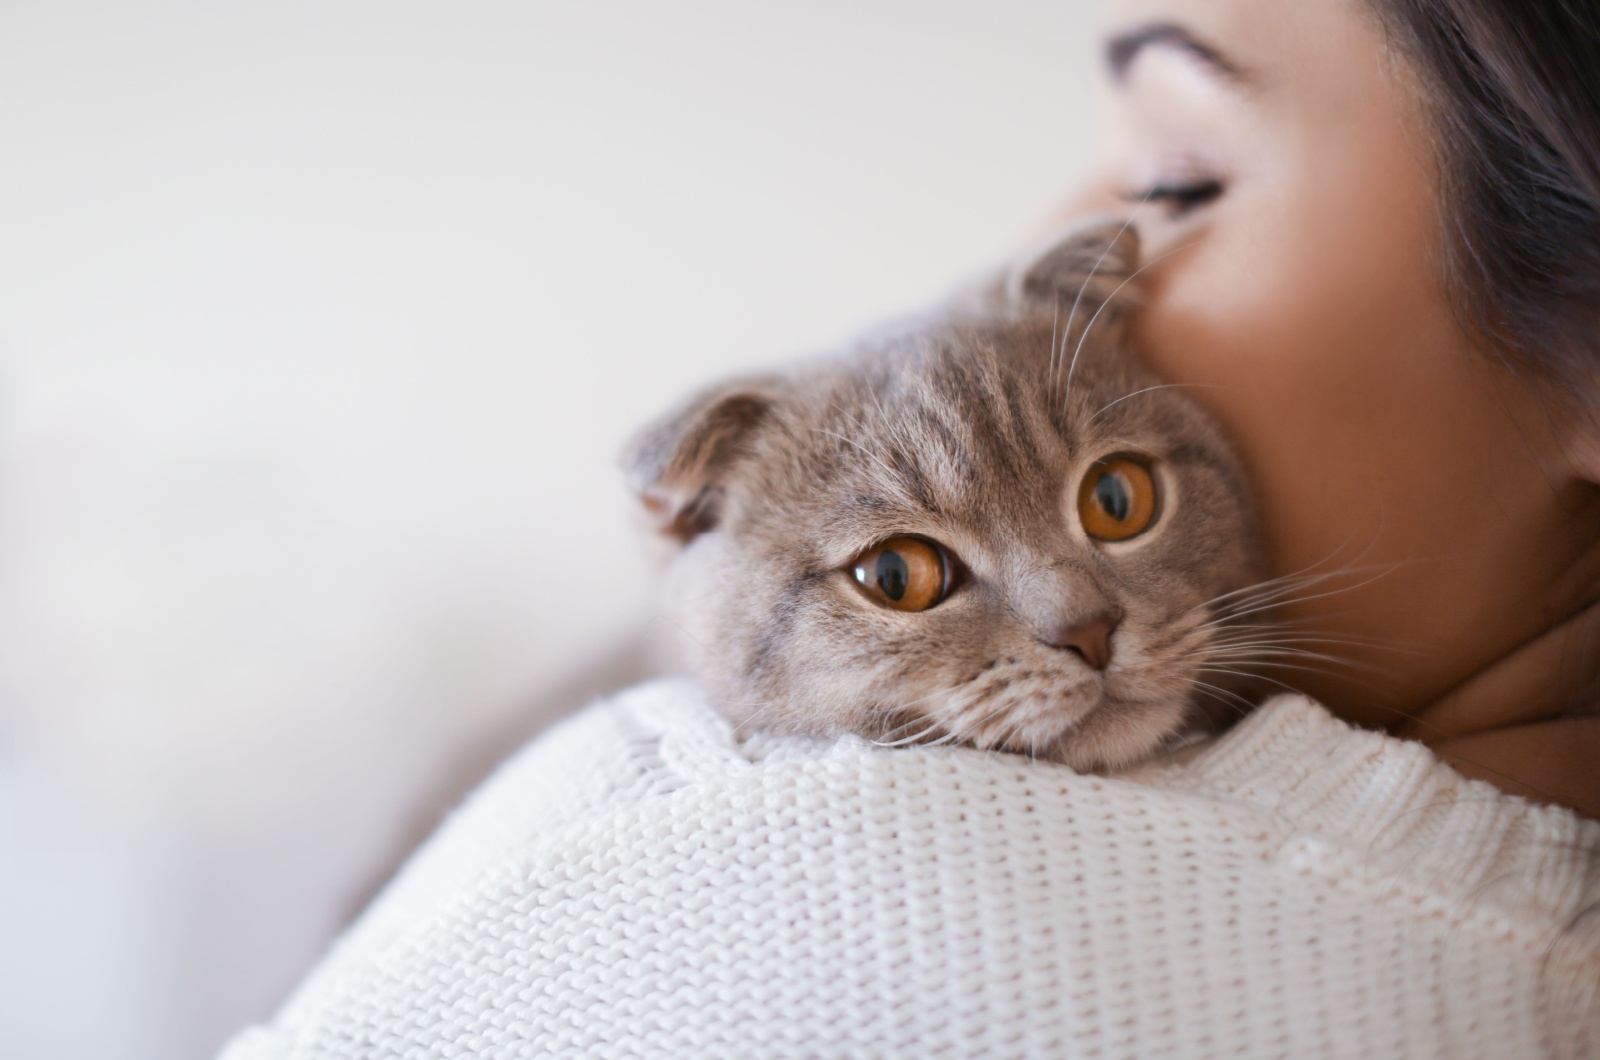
1529, 722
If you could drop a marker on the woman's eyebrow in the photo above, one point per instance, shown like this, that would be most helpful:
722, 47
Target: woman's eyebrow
1123, 48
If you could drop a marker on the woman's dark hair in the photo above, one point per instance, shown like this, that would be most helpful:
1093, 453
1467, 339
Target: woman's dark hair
1515, 87
1515, 93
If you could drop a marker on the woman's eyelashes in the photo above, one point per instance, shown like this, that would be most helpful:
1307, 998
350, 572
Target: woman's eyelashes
1180, 196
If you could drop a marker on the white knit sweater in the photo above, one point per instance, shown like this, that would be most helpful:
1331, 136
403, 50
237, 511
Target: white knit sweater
639, 883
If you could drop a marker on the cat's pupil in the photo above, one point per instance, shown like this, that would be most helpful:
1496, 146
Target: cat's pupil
893, 575
1111, 493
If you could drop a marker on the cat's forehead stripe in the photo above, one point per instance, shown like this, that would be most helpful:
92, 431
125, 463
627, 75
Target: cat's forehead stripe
973, 420
969, 424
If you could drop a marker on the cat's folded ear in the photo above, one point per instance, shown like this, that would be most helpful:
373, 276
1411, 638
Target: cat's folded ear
1098, 259
680, 464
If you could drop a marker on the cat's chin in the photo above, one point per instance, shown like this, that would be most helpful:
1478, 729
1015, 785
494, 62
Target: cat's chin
1112, 734
1076, 723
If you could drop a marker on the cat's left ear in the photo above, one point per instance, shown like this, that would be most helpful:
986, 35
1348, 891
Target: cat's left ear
680, 465
1098, 259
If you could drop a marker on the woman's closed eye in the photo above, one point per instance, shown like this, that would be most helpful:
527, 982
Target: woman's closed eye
1180, 196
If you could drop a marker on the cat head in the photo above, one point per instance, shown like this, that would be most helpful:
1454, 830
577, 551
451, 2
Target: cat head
992, 526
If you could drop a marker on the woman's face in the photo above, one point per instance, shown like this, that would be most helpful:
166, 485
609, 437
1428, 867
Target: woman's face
1291, 225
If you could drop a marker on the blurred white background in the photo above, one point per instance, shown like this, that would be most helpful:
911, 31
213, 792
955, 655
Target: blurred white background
321, 325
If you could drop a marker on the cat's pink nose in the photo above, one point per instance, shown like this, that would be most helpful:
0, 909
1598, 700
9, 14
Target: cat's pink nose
1091, 640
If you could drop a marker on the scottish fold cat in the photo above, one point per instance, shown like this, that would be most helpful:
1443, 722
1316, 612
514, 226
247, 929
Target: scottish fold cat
990, 526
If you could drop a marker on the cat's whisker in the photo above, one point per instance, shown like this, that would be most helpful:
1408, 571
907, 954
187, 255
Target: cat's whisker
908, 740
888, 737
890, 740
1223, 633
1058, 355
953, 732
934, 722
1263, 662
971, 733
1225, 696
1110, 300
1276, 592
1266, 593
1303, 668
1055, 319
1005, 738
1239, 704
1307, 599
1146, 390
1295, 627
1263, 594
945, 740
1248, 676
1301, 643
749, 716
1246, 647
1260, 646
1283, 630
1077, 301
893, 477
1305, 575
968, 730
897, 431
852, 417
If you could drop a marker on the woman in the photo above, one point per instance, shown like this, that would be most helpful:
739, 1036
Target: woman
1377, 233
1374, 249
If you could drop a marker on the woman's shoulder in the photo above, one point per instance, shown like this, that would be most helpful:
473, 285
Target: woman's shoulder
644, 878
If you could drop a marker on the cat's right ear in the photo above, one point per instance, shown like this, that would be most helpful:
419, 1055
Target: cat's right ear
679, 465
1099, 259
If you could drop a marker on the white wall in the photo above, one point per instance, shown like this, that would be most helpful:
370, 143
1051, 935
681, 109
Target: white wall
320, 327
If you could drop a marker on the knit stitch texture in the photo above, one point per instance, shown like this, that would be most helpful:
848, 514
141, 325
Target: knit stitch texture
639, 882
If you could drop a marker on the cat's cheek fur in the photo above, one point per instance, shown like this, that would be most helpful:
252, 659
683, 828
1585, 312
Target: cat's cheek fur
700, 600
741, 618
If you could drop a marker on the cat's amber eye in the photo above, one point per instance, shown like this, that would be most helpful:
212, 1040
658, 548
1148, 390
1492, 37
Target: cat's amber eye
1117, 499
906, 573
